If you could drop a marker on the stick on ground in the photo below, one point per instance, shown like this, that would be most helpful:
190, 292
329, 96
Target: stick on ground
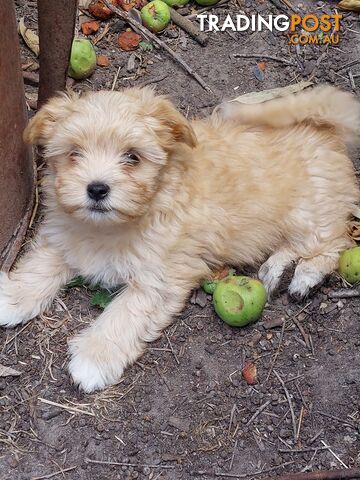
287, 394
189, 27
349, 474
266, 57
147, 34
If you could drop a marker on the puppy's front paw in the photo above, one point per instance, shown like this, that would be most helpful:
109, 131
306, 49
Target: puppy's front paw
95, 363
11, 310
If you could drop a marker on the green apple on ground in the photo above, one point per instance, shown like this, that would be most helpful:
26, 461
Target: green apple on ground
206, 3
155, 15
82, 59
349, 265
239, 300
176, 3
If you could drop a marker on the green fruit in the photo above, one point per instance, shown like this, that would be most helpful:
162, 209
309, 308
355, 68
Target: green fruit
155, 15
239, 300
209, 286
349, 265
206, 3
82, 59
176, 3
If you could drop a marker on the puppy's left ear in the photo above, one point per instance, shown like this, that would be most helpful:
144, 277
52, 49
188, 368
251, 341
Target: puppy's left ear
41, 127
174, 122
171, 126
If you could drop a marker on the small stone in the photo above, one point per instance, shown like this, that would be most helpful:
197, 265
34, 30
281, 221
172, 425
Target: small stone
131, 64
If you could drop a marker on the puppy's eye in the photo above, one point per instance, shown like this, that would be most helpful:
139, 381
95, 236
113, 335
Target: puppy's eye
75, 155
131, 158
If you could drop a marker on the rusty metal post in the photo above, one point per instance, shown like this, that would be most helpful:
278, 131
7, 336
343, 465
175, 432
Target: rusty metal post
56, 32
16, 167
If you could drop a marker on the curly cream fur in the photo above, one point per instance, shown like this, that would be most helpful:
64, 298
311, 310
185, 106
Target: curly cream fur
272, 179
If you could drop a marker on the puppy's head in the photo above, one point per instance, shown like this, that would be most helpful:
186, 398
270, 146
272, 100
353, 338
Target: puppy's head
108, 150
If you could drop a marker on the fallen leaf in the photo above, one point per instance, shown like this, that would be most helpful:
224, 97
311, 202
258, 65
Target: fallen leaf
249, 373
101, 298
135, 15
98, 9
102, 61
265, 95
259, 74
88, 28
8, 372
350, 5
29, 36
146, 46
129, 40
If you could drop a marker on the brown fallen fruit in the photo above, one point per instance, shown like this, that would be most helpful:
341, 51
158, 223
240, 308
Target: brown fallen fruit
249, 373
88, 28
98, 9
129, 40
102, 61
129, 4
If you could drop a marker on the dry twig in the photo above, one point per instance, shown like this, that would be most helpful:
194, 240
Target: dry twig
54, 474
242, 475
287, 394
69, 408
277, 351
345, 293
123, 464
349, 474
189, 27
262, 56
258, 411
31, 77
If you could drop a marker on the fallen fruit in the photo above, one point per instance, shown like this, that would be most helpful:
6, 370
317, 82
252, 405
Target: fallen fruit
129, 40
127, 5
209, 285
82, 59
102, 61
99, 10
206, 3
88, 28
155, 15
176, 3
239, 300
349, 265
249, 373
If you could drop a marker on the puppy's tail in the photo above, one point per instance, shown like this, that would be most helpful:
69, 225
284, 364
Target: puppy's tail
324, 105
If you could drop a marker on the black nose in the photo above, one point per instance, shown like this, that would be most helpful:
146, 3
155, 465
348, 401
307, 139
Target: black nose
98, 191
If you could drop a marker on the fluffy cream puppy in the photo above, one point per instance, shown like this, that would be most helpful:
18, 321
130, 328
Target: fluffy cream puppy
136, 193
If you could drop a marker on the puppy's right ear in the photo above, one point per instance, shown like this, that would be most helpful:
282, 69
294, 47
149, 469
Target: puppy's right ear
41, 126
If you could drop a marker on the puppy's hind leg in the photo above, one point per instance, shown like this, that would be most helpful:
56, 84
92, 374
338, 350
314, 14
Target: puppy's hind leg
310, 272
271, 271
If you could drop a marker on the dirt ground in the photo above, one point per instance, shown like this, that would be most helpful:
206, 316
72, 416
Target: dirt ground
184, 411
